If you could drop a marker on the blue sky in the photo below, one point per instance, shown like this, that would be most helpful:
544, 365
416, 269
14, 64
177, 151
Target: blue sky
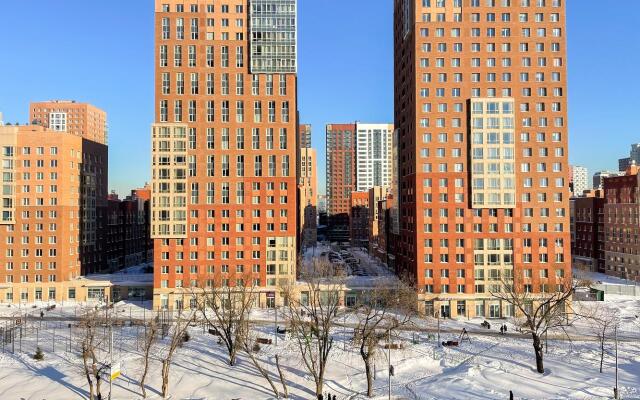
102, 53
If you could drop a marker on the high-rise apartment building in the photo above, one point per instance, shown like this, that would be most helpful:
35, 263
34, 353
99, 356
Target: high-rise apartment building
578, 179
128, 239
54, 190
480, 110
308, 197
304, 136
341, 171
90, 123
80, 119
376, 195
224, 147
373, 155
359, 220
587, 242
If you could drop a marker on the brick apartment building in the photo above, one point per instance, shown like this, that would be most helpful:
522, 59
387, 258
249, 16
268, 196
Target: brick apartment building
587, 245
341, 171
359, 219
128, 230
622, 225
54, 196
308, 197
481, 116
224, 188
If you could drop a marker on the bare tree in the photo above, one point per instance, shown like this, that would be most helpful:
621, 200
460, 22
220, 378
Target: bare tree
91, 341
537, 313
601, 319
150, 338
177, 329
380, 312
228, 309
312, 315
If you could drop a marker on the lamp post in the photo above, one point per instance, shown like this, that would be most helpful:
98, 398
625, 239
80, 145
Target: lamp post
389, 358
616, 394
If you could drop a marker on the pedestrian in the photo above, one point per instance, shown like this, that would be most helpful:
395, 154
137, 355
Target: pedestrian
41, 314
505, 328
502, 330
510, 394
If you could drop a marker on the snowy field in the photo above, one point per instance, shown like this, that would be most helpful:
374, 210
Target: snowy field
487, 368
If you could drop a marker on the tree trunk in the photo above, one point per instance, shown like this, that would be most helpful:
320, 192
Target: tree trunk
232, 356
368, 371
88, 375
98, 391
165, 378
142, 379
145, 369
282, 378
602, 349
538, 348
319, 385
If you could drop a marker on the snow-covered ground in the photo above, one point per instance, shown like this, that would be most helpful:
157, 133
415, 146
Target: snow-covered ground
487, 368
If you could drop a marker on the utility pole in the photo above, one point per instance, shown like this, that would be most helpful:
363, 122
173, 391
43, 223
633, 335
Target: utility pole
616, 395
111, 356
344, 331
438, 315
389, 358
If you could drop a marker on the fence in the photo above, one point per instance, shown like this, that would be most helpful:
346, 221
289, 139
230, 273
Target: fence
623, 290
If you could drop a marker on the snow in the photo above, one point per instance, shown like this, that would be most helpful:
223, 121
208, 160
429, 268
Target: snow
486, 368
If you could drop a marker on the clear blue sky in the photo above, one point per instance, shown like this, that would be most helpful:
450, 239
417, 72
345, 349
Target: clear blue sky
102, 52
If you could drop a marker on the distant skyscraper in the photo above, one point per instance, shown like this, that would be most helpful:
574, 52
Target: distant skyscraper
340, 168
633, 159
634, 154
373, 155
224, 147
481, 111
598, 178
624, 163
322, 204
579, 179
